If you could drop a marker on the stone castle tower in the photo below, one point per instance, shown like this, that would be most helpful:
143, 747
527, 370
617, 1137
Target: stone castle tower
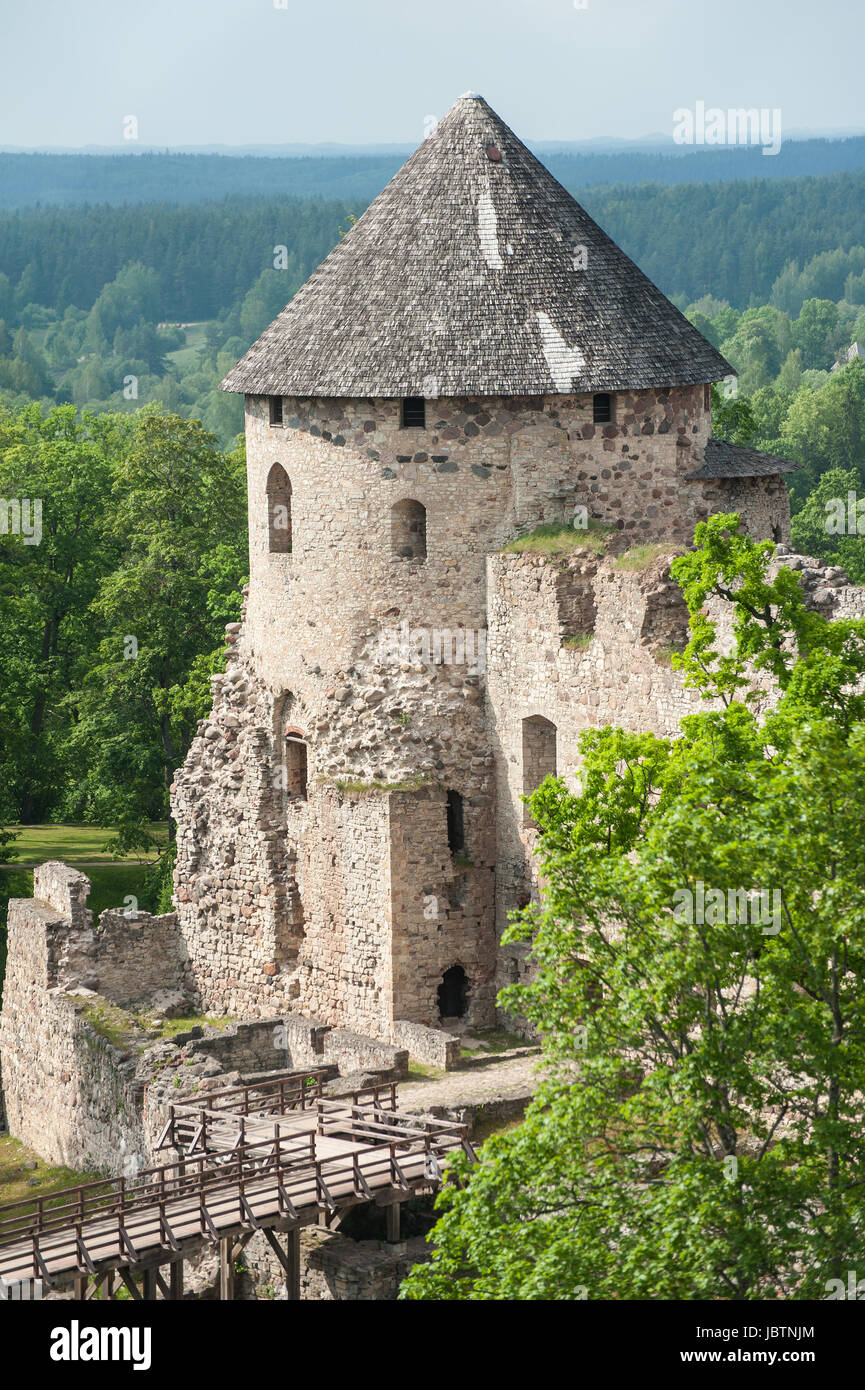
475, 358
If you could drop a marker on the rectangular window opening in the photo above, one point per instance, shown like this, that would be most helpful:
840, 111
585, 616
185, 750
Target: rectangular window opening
414, 412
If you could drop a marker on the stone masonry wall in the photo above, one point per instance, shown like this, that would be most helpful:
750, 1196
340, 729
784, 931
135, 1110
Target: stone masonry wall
483, 469
620, 675
68, 1092
442, 905
286, 903
361, 669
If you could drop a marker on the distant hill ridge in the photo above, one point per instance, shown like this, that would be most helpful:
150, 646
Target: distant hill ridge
31, 178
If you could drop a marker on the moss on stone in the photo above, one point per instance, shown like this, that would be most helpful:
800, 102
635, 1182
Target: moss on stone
172, 1026
19, 1182
111, 1022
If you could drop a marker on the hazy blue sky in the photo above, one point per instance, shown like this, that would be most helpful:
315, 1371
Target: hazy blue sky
200, 72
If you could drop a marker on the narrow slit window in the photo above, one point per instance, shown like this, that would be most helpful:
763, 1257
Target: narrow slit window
456, 824
414, 412
275, 410
278, 511
602, 408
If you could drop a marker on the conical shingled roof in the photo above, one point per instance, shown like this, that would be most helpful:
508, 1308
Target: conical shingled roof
464, 278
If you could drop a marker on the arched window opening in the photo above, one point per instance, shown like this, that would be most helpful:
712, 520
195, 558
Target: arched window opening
456, 827
602, 408
453, 993
539, 756
295, 766
408, 530
278, 511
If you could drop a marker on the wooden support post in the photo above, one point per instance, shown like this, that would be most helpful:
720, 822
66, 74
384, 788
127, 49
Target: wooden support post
148, 1285
289, 1259
292, 1274
81, 1288
391, 1222
226, 1270
176, 1280
130, 1284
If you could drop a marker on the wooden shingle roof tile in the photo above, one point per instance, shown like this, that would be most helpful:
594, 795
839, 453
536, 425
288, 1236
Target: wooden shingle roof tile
723, 460
474, 272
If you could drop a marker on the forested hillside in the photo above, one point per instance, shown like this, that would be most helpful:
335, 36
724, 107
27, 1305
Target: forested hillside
731, 240
167, 176
91, 297
116, 325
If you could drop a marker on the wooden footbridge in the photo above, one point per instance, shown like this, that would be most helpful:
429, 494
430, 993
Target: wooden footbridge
271, 1157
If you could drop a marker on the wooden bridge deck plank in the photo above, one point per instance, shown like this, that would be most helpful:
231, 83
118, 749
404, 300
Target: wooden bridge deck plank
143, 1225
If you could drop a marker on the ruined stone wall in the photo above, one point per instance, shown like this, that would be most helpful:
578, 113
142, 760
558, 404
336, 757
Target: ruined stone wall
285, 902
618, 674
68, 1091
763, 504
442, 904
617, 671
141, 960
235, 887
357, 676
344, 966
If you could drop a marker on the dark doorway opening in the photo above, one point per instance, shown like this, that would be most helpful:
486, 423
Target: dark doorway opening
456, 827
453, 993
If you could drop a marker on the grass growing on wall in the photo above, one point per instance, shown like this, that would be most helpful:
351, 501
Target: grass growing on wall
359, 787
18, 1182
554, 538
639, 557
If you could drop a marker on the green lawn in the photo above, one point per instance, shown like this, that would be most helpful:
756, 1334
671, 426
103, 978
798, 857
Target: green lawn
74, 844
186, 358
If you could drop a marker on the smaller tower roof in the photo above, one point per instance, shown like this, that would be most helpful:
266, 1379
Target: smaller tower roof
723, 460
474, 272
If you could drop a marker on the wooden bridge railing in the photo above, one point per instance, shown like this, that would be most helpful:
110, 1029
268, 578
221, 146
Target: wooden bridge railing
191, 1125
123, 1196
288, 1091
201, 1191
